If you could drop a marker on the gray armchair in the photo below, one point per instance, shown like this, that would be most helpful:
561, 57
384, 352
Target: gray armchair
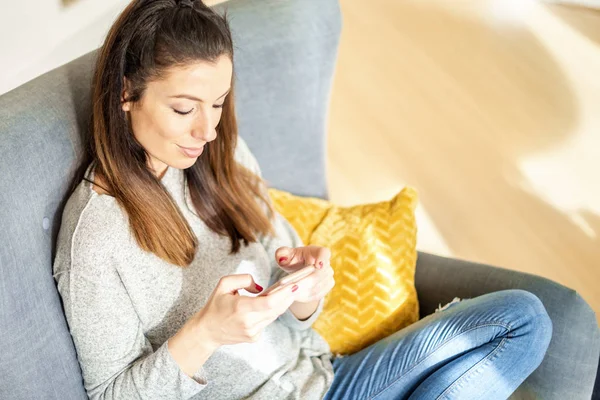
285, 59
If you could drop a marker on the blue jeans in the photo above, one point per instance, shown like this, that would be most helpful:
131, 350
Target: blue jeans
481, 348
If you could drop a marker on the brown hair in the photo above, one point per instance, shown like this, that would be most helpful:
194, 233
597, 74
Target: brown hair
147, 38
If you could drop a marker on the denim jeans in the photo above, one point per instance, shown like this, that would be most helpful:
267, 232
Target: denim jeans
480, 348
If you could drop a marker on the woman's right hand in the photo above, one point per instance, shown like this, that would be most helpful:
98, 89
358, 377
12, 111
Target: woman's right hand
230, 318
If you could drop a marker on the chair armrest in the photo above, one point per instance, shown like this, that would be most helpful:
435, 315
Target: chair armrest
570, 366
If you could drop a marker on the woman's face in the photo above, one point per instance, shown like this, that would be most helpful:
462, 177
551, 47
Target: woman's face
178, 115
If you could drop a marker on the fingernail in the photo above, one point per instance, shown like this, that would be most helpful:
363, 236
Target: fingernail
258, 287
320, 264
294, 288
282, 259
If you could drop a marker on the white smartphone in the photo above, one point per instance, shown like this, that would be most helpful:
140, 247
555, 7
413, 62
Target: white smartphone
289, 279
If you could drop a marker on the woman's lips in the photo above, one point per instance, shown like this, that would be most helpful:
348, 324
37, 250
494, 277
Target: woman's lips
192, 152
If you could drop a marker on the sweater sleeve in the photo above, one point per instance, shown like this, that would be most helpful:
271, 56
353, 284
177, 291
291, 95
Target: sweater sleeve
285, 235
116, 358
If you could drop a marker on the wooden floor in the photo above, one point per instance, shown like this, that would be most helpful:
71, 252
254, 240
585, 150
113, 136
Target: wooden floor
491, 110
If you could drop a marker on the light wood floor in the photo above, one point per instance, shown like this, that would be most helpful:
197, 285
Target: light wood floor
491, 109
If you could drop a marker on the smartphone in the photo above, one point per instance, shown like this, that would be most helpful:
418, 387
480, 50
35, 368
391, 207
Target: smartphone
288, 279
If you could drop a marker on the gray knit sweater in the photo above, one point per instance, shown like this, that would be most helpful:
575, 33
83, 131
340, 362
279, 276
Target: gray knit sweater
122, 304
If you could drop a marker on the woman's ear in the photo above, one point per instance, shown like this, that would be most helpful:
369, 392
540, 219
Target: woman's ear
125, 105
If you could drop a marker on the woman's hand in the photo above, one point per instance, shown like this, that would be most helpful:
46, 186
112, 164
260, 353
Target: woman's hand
315, 286
229, 318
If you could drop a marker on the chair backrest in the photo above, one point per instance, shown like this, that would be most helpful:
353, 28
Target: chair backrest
285, 58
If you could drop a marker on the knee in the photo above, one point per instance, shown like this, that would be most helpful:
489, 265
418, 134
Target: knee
532, 315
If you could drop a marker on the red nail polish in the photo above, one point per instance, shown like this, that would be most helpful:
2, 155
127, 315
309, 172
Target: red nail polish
320, 264
258, 287
282, 259
294, 288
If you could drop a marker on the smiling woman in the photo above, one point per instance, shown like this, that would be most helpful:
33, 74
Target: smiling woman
150, 253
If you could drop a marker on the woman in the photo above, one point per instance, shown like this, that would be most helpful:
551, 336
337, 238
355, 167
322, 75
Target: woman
169, 237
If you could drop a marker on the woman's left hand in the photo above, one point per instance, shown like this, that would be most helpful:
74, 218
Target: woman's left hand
320, 282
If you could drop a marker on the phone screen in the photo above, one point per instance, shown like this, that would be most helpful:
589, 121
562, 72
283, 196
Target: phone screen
289, 279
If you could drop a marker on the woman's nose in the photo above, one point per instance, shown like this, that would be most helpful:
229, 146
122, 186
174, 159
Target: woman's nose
204, 129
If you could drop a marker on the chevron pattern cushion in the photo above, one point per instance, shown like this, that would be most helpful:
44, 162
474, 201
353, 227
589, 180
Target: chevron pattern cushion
374, 256
303, 213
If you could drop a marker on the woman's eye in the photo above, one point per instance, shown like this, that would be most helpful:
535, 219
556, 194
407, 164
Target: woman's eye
187, 112
183, 112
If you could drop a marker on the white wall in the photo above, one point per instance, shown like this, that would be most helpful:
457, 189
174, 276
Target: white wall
39, 35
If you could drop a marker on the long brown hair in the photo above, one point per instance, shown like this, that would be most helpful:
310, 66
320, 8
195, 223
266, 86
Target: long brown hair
147, 38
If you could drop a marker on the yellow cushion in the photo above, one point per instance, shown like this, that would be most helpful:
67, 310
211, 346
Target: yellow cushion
374, 257
303, 213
